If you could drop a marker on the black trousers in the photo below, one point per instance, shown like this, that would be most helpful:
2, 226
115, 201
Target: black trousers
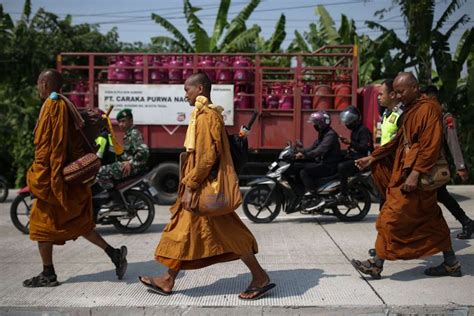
452, 205
345, 170
313, 171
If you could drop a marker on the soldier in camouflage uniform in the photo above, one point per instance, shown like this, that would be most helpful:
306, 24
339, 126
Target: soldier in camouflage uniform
134, 158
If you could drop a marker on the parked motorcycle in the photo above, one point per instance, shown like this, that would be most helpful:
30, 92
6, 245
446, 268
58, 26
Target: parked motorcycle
134, 213
3, 189
283, 189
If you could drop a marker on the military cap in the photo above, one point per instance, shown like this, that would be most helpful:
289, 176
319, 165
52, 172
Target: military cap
125, 113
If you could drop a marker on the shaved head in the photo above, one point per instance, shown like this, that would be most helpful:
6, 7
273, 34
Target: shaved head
406, 88
200, 78
407, 78
50, 80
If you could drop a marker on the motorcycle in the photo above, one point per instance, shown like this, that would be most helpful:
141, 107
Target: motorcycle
282, 188
3, 189
133, 212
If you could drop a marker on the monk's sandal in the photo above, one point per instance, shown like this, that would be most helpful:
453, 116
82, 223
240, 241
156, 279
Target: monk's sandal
41, 280
445, 270
368, 267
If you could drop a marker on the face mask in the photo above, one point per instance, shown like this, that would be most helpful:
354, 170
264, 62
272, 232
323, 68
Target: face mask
316, 128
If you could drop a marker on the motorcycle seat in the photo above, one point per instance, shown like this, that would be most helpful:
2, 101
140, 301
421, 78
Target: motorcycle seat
321, 181
125, 182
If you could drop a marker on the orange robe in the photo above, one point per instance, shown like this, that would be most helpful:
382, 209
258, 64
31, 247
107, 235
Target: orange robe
381, 173
411, 225
191, 241
61, 211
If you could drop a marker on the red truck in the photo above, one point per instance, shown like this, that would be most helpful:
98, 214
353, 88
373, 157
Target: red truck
283, 88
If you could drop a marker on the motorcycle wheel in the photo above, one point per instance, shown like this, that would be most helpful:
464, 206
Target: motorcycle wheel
3, 191
254, 204
20, 212
142, 213
361, 196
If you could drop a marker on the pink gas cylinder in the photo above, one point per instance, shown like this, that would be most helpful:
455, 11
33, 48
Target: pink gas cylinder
241, 74
323, 99
224, 75
76, 96
273, 99
111, 69
286, 100
306, 100
175, 73
343, 96
206, 63
188, 71
242, 101
138, 72
158, 75
122, 73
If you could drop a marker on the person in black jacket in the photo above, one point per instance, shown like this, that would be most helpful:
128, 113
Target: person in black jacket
325, 153
360, 145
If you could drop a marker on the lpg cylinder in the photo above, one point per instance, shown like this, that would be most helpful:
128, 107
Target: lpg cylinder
273, 99
286, 100
206, 63
242, 101
321, 99
224, 75
188, 71
111, 69
175, 73
306, 100
241, 74
158, 75
343, 98
138, 72
76, 95
123, 74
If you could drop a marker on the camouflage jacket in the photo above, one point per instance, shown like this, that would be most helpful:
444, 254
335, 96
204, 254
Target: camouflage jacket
134, 149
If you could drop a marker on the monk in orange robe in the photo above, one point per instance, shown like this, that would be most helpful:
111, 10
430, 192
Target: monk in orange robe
61, 211
191, 241
411, 224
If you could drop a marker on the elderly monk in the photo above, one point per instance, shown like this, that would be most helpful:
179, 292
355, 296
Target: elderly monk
191, 241
61, 211
411, 224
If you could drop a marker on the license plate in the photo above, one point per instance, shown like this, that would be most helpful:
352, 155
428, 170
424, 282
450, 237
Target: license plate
153, 191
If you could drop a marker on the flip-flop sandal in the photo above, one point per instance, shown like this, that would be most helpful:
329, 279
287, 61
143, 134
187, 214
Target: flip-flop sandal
154, 287
371, 269
445, 270
261, 291
41, 281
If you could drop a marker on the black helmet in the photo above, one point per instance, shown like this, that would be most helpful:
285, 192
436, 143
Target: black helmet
350, 116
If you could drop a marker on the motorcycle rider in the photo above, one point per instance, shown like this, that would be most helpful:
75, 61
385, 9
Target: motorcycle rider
325, 152
132, 161
360, 145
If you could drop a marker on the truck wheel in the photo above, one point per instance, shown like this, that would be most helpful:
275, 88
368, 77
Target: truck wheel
165, 179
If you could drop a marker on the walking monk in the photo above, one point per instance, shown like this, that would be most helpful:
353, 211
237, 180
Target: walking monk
411, 224
191, 241
61, 211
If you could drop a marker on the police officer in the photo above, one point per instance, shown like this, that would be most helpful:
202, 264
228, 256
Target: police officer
360, 145
106, 150
134, 158
325, 152
451, 138
391, 117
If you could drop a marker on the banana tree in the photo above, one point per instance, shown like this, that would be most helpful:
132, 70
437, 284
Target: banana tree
226, 37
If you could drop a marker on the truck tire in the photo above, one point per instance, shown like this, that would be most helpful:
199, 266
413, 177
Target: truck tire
165, 179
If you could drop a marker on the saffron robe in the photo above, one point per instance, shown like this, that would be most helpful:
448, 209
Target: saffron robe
61, 211
411, 225
191, 241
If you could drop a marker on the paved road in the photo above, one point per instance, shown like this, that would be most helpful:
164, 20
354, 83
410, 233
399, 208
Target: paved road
308, 257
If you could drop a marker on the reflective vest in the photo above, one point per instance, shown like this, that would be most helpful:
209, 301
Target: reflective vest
389, 125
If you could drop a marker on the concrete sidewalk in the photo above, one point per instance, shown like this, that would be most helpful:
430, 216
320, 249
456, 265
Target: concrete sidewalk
307, 257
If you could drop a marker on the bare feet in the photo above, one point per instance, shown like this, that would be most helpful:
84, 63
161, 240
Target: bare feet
165, 282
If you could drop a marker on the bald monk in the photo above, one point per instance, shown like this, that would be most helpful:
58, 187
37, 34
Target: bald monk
191, 241
61, 211
411, 224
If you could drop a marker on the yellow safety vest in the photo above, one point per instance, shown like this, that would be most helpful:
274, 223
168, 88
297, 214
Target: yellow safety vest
389, 126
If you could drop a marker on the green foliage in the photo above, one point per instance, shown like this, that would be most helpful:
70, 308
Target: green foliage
28, 47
